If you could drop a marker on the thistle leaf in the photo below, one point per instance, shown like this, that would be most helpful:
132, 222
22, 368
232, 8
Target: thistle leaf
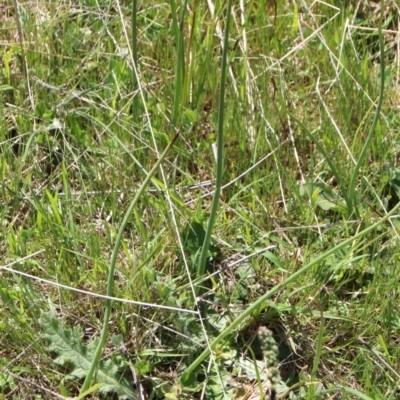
68, 345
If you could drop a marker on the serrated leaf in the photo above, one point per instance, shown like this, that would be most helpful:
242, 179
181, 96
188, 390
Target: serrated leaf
67, 343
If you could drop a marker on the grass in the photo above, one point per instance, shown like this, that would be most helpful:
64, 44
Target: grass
114, 289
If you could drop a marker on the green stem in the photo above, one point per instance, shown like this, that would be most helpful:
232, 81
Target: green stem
180, 66
110, 281
135, 103
220, 149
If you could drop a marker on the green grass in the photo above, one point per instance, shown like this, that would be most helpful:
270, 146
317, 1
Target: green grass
127, 269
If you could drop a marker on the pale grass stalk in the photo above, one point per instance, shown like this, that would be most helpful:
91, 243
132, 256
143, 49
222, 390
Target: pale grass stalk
91, 294
380, 358
368, 29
